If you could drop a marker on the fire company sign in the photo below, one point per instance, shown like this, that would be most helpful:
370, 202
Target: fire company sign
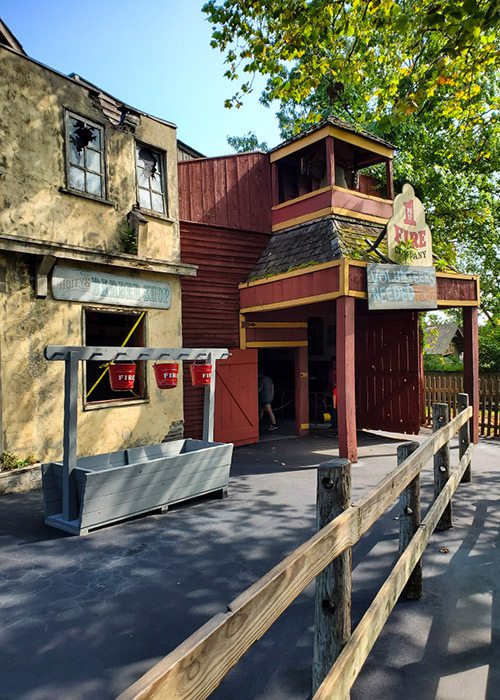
408, 224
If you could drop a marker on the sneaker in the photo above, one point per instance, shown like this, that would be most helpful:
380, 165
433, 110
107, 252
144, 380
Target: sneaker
273, 427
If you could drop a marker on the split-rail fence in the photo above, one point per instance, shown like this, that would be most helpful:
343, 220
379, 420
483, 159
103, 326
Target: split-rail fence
194, 669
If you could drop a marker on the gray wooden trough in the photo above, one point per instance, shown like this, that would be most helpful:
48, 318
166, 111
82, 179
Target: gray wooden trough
81, 494
117, 485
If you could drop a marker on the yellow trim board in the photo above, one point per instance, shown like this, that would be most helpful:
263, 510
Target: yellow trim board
302, 197
457, 275
290, 303
243, 333
330, 188
292, 273
278, 344
456, 303
320, 213
289, 223
338, 133
359, 215
277, 324
362, 195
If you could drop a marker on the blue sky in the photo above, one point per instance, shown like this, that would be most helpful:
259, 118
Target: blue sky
152, 54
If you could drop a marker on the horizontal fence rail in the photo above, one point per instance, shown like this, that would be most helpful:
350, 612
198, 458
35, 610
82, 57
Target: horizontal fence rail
196, 667
443, 387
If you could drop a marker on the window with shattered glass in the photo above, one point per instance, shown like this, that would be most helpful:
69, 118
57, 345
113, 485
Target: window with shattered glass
150, 179
85, 156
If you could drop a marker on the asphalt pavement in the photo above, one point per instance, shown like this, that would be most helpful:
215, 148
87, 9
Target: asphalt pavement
81, 618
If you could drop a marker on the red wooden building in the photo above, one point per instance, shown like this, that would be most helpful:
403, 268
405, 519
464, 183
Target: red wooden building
282, 242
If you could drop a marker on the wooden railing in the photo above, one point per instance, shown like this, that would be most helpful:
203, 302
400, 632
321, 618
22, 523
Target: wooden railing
196, 667
443, 387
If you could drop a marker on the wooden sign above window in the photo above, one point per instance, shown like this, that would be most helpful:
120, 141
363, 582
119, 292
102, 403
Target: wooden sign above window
88, 286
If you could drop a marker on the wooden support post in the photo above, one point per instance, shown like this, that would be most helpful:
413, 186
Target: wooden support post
332, 603
69, 499
390, 178
471, 366
209, 403
464, 437
346, 384
330, 160
301, 392
409, 521
274, 184
440, 417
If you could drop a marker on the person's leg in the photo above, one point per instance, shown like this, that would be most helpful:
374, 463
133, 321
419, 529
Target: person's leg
270, 413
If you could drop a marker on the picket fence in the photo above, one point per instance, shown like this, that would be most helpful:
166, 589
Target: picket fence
443, 387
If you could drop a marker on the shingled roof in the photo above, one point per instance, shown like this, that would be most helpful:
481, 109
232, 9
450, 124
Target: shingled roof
443, 339
320, 241
340, 124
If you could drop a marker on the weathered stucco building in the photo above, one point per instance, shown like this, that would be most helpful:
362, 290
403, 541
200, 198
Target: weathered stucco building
89, 252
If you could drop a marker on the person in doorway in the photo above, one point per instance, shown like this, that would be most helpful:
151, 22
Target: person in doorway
332, 389
266, 395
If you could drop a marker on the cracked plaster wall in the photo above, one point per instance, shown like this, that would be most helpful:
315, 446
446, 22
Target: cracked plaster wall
32, 105
32, 171
32, 388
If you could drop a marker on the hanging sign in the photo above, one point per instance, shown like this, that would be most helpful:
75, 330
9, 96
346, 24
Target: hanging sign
408, 225
70, 284
401, 287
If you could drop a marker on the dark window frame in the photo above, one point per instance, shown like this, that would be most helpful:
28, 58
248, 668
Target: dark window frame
149, 190
87, 148
114, 398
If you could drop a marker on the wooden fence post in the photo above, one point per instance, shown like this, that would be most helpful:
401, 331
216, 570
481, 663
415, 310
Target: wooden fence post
409, 521
464, 437
332, 603
440, 416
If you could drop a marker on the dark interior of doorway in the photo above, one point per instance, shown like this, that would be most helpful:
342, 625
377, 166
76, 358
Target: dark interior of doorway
279, 364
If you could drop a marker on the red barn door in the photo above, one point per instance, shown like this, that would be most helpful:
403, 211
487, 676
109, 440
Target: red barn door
387, 371
236, 399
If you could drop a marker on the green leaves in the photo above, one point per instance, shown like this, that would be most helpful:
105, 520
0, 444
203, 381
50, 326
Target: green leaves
397, 53
421, 73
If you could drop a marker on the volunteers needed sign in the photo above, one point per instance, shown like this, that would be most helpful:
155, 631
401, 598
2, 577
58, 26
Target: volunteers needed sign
409, 286
401, 287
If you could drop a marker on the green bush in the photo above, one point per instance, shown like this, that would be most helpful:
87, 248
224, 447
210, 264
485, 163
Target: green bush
440, 363
489, 346
10, 461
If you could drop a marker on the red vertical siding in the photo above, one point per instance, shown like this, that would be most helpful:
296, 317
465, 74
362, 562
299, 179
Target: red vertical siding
346, 378
210, 301
471, 365
231, 191
236, 405
387, 371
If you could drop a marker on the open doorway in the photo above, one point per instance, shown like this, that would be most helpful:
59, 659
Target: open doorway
279, 365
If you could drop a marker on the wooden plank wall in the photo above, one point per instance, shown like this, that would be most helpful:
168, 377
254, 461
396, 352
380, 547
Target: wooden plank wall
225, 213
211, 301
230, 191
387, 371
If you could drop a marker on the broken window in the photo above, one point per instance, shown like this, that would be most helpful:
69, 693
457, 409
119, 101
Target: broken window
85, 156
110, 329
150, 179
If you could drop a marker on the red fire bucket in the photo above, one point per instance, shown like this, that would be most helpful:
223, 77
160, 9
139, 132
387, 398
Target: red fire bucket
200, 374
166, 375
122, 376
